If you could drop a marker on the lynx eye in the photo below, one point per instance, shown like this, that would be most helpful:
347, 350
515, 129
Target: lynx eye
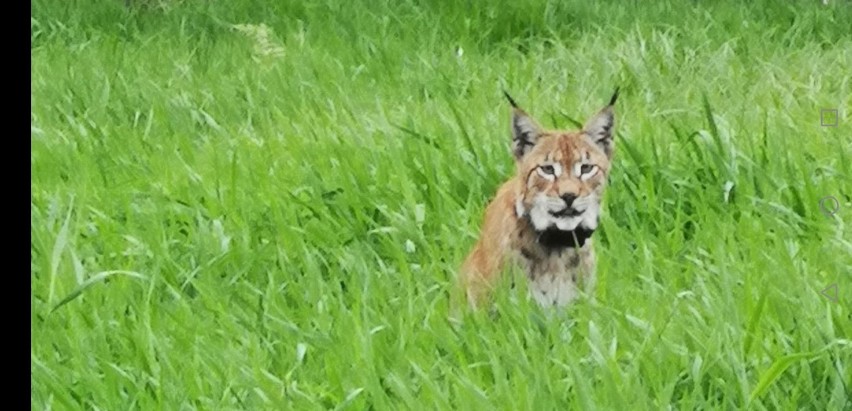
587, 171
547, 169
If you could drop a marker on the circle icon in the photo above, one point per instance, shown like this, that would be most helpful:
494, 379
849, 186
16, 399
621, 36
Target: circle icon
829, 212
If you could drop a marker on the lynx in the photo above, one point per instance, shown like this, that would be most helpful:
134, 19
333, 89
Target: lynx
544, 217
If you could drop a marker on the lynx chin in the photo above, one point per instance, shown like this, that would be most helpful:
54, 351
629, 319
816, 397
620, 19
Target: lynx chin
543, 218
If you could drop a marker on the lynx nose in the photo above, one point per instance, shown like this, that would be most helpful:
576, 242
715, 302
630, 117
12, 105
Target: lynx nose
569, 198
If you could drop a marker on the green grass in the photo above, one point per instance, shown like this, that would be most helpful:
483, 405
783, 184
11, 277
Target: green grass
223, 223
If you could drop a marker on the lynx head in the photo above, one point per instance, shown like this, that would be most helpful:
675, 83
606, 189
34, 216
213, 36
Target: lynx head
562, 174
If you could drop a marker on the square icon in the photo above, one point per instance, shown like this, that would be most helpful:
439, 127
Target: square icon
828, 117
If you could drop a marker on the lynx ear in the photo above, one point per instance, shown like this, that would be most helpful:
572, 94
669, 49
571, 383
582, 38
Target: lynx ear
525, 130
599, 128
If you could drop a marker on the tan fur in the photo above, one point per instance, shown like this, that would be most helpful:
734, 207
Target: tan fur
536, 239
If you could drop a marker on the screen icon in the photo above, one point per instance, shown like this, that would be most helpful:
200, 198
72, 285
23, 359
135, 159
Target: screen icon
828, 117
829, 206
830, 293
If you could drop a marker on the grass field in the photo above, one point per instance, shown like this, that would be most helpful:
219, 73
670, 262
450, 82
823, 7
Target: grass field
261, 205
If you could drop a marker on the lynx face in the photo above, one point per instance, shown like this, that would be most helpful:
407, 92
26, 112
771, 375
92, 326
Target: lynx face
565, 177
563, 174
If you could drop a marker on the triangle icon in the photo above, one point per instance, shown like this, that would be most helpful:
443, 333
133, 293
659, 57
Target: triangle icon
830, 293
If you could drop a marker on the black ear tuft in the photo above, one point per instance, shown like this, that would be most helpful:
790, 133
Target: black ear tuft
614, 96
511, 100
